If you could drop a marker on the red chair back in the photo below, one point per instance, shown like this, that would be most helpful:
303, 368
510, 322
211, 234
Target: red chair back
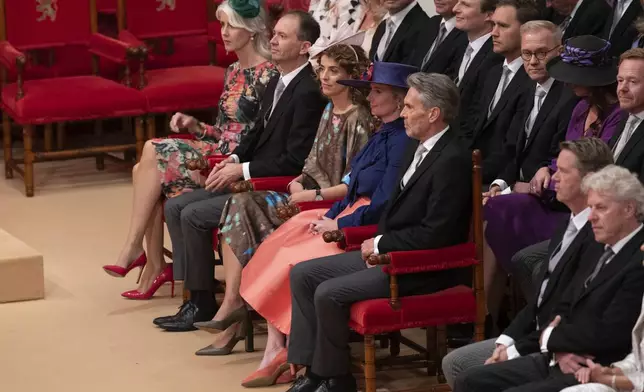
106, 6
43, 24
148, 19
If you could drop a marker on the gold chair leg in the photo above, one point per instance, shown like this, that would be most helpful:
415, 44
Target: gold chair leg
369, 363
152, 127
8, 151
140, 137
60, 136
49, 137
28, 134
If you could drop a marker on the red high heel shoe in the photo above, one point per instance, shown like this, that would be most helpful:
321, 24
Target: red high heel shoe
120, 272
164, 277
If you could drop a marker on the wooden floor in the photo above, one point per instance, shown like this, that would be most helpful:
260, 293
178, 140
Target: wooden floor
84, 336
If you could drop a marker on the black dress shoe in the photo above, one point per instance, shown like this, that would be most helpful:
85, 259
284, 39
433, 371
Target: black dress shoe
184, 322
165, 319
338, 384
304, 384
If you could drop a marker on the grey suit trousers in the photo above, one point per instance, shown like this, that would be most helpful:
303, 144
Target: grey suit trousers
466, 357
527, 265
322, 292
191, 219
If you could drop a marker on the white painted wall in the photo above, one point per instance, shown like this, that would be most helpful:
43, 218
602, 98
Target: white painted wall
428, 6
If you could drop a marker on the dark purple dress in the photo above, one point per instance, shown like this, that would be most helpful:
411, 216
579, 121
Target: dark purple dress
518, 220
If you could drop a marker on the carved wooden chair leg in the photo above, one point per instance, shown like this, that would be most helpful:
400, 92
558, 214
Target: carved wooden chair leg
98, 133
394, 344
151, 127
8, 151
140, 137
28, 135
441, 351
49, 137
60, 136
250, 337
369, 363
432, 351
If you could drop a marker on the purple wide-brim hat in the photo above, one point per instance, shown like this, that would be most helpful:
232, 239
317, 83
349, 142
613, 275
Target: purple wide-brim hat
585, 61
391, 74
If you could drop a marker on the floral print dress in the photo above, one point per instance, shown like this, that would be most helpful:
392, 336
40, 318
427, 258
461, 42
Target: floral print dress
248, 218
238, 111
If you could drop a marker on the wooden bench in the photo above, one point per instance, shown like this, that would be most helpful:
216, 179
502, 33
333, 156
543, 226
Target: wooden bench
21, 270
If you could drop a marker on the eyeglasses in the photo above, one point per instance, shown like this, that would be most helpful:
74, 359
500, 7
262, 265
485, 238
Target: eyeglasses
527, 55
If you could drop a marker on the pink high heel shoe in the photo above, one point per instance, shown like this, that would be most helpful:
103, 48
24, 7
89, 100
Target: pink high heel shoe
120, 272
164, 277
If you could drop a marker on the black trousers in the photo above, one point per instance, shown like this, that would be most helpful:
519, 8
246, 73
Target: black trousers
526, 374
191, 218
322, 292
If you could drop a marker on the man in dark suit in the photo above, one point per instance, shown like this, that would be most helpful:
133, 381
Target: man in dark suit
580, 17
628, 141
577, 159
493, 123
276, 146
430, 208
397, 36
474, 17
546, 115
441, 44
620, 28
598, 310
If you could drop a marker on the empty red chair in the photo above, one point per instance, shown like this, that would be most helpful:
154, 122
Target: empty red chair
49, 24
157, 23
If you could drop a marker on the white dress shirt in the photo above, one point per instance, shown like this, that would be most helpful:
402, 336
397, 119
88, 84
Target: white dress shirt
578, 221
286, 79
428, 144
476, 46
616, 249
505, 188
397, 20
632, 123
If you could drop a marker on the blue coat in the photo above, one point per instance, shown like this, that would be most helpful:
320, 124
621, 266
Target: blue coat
374, 174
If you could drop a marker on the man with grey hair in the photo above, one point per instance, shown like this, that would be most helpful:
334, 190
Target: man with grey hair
577, 159
431, 208
601, 305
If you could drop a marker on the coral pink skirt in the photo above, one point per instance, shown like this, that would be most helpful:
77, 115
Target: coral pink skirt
265, 280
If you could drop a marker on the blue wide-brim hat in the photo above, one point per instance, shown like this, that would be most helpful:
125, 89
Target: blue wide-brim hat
391, 74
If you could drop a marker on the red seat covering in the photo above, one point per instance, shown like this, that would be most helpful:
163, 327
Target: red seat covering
71, 99
176, 89
451, 306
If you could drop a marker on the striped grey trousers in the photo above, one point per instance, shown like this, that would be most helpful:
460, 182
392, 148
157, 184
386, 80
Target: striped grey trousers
465, 357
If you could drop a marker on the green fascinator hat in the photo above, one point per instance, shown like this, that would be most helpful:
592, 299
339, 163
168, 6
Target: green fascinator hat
245, 8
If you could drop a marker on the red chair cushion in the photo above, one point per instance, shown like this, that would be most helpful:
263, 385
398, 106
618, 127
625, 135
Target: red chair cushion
184, 88
451, 306
71, 99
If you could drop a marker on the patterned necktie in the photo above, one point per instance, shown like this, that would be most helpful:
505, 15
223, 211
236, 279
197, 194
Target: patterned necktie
279, 90
617, 14
608, 254
539, 94
503, 83
439, 39
629, 129
391, 26
564, 25
569, 236
418, 159
467, 58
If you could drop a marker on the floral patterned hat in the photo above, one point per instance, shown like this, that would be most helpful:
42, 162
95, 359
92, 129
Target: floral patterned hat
585, 61
391, 74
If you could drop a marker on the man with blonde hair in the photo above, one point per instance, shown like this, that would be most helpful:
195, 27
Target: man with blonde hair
599, 308
627, 143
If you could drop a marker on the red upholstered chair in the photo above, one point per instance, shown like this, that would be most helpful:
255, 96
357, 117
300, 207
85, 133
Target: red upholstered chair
154, 26
36, 26
434, 312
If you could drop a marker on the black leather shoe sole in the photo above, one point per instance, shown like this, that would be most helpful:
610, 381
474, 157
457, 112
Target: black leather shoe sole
177, 327
163, 320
